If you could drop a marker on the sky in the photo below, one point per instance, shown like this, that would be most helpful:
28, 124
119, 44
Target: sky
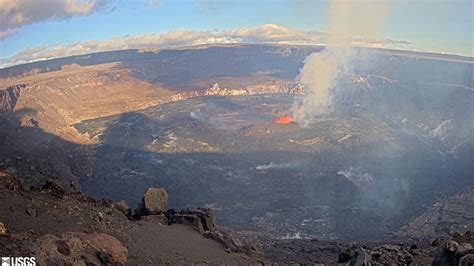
32, 30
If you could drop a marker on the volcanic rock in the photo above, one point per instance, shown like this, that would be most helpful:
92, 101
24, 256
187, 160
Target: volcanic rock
376, 255
3, 230
406, 258
467, 260
436, 242
206, 217
107, 245
191, 220
346, 256
107, 202
31, 212
361, 258
170, 216
465, 248
54, 189
155, 201
100, 217
63, 247
393, 248
451, 246
74, 248
447, 255
123, 207
227, 241
203, 220
12, 183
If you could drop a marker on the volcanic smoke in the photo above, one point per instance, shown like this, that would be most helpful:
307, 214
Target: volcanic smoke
321, 70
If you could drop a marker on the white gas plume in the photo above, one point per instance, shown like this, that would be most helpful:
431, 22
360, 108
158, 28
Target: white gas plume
272, 165
321, 71
365, 181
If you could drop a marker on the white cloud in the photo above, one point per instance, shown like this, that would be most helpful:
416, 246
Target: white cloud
17, 13
6, 34
268, 33
154, 3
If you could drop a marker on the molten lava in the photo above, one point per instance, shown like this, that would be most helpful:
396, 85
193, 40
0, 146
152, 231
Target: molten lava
284, 120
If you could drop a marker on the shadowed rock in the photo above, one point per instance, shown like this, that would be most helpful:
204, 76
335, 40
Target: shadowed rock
123, 207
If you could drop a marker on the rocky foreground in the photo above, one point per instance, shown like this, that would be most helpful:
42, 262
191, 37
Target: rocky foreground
60, 228
63, 228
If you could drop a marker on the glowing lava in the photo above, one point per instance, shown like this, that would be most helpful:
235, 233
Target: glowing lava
284, 120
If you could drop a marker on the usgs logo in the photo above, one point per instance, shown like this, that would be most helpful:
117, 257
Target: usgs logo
18, 261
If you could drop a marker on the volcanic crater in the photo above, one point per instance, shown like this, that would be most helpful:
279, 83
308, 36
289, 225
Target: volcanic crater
213, 125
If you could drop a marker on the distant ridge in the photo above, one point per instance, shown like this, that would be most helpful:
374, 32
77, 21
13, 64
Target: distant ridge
143, 54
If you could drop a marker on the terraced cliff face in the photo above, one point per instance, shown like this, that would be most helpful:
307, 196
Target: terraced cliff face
9, 96
59, 99
200, 121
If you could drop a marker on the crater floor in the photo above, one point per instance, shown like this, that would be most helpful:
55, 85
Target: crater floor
349, 175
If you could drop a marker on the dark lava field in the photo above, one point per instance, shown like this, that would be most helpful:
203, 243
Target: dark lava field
353, 174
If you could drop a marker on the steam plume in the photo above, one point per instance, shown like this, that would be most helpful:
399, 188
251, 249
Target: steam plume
272, 165
320, 71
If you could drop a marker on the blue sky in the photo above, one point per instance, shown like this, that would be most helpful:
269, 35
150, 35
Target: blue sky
440, 26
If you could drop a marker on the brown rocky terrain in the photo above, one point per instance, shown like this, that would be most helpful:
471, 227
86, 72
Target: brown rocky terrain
58, 227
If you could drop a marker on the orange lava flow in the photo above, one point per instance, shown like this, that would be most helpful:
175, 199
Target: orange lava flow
284, 120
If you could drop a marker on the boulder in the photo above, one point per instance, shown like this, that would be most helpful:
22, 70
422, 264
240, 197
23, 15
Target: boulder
53, 188
391, 248
406, 258
360, 258
345, 256
203, 220
74, 248
106, 202
225, 240
100, 217
170, 216
155, 201
123, 207
63, 247
106, 245
3, 230
12, 183
451, 246
206, 218
446, 256
467, 260
189, 219
465, 248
